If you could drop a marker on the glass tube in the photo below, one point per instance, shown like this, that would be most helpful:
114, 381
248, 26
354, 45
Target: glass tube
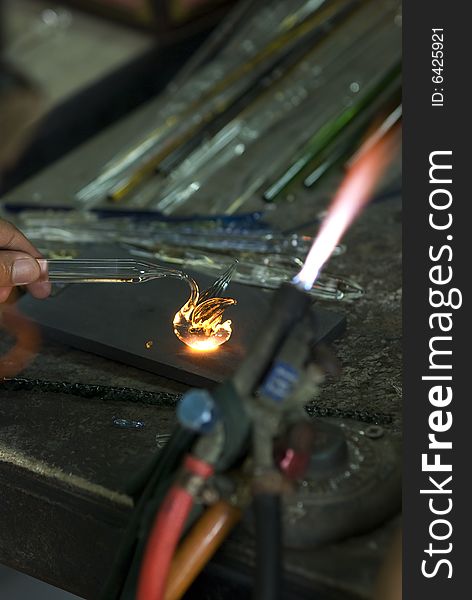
104, 270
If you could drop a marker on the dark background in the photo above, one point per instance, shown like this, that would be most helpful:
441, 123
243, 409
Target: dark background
427, 129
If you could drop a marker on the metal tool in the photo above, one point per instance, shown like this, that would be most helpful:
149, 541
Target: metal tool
259, 413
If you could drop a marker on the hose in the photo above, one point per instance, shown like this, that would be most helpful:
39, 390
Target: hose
167, 530
199, 546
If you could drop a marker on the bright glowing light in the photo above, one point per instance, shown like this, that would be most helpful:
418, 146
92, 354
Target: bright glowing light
199, 324
350, 199
209, 345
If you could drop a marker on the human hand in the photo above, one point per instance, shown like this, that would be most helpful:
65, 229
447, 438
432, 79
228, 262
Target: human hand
17, 263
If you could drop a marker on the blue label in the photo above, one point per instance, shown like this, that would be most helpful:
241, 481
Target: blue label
280, 381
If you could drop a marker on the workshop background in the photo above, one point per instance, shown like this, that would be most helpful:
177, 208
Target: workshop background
191, 134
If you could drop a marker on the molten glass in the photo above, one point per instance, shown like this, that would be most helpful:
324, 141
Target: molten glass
198, 324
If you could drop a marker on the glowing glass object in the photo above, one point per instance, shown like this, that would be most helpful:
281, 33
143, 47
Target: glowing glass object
199, 323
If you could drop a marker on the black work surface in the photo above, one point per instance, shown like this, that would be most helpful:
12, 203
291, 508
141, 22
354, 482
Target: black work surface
116, 321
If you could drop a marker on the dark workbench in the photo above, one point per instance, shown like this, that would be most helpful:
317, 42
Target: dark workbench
65, 468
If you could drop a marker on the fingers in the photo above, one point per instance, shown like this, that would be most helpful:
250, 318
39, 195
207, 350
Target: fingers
39, 289
17, 265
18, 268
11, 238
4, 294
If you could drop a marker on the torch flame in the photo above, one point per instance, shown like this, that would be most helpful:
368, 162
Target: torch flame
199, 324
353, 194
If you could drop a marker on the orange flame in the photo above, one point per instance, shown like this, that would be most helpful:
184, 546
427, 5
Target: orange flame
198, 324
354, 193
